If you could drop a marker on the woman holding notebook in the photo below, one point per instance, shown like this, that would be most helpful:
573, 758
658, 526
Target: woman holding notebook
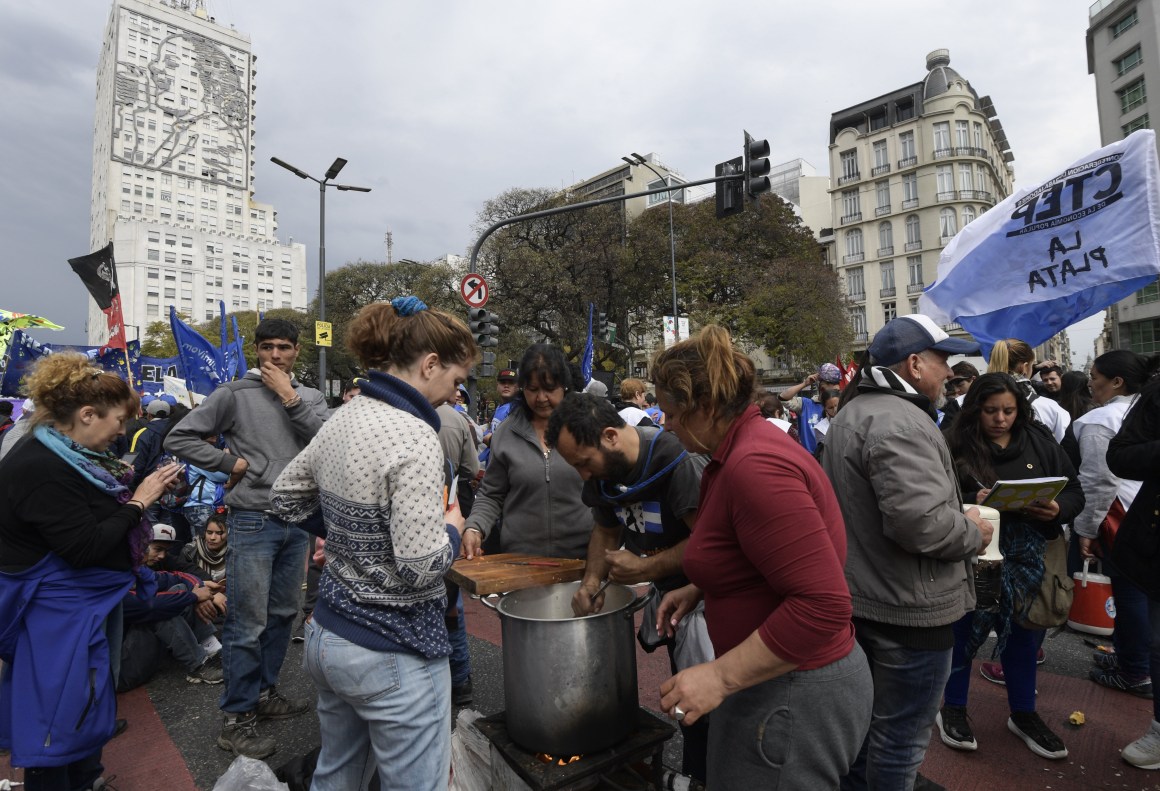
996, 438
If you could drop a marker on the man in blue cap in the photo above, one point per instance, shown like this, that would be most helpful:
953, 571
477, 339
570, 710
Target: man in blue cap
909, 544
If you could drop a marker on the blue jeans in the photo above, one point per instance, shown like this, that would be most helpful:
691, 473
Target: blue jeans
460, 658
908, 687
378, 709
1018, 660
264, 570
1132, 635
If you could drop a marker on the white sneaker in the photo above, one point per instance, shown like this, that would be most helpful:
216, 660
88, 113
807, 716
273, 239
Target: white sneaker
1144, 753
211, 645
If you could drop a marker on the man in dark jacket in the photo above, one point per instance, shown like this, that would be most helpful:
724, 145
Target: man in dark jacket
644, 492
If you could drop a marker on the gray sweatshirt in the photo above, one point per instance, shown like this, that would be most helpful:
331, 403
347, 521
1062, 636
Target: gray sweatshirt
256, 428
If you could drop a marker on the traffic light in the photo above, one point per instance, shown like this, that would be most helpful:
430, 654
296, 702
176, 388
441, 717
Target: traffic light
487, 365
729, 191
756, 154
601, 325
484, 326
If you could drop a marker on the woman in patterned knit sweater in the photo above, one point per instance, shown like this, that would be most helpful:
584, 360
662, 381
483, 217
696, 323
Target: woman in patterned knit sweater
377, 646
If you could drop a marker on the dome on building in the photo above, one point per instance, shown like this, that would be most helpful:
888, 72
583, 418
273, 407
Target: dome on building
940, 76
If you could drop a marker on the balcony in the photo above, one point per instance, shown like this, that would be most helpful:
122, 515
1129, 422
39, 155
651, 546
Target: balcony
953, 326
861, 337
881, 210
915, 288
971, 151
854, 258
886, 291
850, 179
912, 203
942, 197
849, 218
908, 162
944, 240
885, 252
880, 170
943, 153
910, 247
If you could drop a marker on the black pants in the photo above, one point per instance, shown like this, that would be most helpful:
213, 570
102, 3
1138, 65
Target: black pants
77, 776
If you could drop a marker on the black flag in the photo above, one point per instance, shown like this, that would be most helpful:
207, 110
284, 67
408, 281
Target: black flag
99, 274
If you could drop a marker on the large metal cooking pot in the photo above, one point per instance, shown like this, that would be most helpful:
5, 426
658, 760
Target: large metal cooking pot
569, 683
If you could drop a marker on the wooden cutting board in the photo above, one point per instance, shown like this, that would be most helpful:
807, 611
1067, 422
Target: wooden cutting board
512, 572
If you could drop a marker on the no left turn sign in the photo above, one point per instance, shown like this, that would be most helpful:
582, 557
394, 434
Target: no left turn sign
473, 290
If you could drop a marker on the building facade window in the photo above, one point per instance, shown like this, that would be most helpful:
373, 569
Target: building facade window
1125, 22
1144, 336
978, 135
885, 239
849, 165
968, 215
1148, 294
914, 270
1132, 96
1128, 62
906, 150
881, 158
855, 283
910, 191
966, 180
946, 225
854, 251
858, 322
1134, 124
962, 134
945, 179
887, 270
851, 206
882, 195
942, 137
913, 234
889, 311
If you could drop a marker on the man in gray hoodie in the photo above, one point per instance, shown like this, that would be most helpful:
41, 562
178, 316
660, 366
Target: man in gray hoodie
266, 418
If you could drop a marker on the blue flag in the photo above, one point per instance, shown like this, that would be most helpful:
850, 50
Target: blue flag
24, 352
155, 369
1051, 255
235, 354
811, 413
589, 350
203, 363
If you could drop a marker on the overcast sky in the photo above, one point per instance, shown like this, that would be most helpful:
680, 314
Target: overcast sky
441, 106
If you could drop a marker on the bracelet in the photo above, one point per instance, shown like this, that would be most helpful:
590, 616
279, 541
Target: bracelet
476, 529
137, 503
294, 400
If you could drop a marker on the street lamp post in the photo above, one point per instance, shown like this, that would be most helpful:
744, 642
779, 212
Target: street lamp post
637, 159
323, 183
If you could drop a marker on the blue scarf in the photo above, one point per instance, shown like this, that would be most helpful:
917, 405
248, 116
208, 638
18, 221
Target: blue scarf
400, 395
104, 471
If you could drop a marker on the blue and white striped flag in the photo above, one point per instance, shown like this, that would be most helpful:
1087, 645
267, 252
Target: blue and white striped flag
589, 350
1059, 252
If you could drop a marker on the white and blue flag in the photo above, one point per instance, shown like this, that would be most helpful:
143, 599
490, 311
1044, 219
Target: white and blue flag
1051, 255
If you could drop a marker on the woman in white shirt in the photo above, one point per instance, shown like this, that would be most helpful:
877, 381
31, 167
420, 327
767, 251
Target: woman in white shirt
1116, 377
1013, 356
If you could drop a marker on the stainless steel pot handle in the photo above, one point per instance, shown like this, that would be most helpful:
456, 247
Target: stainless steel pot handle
640, 602
486, 602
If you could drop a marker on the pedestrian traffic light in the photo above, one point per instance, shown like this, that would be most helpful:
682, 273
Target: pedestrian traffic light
601, 325
729, 190
756, 155
487, 365
484, 326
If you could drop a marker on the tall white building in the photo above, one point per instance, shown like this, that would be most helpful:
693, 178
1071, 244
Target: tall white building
173, 171
1123, 47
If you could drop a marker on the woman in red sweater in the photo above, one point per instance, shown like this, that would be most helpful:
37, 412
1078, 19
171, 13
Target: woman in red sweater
790, 689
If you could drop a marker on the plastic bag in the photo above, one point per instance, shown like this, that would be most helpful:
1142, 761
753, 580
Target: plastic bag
248, 774
470, 755
693, 646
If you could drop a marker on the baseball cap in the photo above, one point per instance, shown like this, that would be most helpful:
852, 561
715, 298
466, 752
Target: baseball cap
597, 388
164, 533
907, 335
507, 373
167, 398
158, 408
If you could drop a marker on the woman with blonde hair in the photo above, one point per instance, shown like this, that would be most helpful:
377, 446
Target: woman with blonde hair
71, 533
1013, 356
377, 646
790, 689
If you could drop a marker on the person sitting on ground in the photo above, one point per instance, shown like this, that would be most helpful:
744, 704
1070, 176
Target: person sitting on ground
178, 614
206, 494
207, 551
631, 404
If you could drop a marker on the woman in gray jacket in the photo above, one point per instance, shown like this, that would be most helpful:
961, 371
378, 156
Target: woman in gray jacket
528, 484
